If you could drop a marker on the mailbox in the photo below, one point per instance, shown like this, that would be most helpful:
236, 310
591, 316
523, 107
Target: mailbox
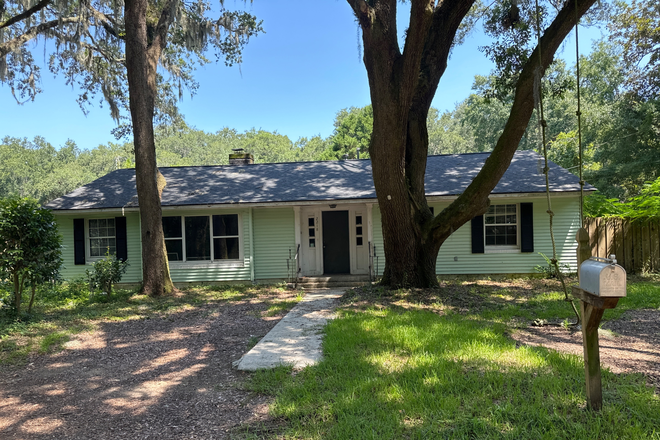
603, 277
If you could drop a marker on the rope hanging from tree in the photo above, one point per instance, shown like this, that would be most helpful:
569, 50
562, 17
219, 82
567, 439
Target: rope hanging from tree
538, 102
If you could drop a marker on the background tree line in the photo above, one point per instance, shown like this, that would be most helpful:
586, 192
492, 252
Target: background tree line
620, 126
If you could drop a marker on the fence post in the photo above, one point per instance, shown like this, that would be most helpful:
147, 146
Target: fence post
583, 249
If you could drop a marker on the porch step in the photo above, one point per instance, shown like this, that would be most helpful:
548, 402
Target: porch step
333, 281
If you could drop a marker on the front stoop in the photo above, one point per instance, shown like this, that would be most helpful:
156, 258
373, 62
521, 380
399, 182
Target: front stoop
332, 281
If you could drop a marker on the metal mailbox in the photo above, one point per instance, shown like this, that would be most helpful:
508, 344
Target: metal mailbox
603, 277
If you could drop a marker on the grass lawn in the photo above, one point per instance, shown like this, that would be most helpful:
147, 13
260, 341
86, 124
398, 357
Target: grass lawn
439, 364
62, 312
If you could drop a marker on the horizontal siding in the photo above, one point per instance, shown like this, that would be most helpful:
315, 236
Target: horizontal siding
214, 271
274, 236
72, 271
455, 256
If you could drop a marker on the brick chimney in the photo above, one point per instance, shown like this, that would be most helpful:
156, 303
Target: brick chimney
240, 157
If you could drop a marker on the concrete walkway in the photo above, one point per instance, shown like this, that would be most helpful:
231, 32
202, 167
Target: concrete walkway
296, 339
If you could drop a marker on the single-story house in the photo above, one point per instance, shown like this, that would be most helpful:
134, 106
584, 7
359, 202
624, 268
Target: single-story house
246, 222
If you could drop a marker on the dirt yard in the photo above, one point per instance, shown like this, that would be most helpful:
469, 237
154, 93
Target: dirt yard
168, 377
630, 344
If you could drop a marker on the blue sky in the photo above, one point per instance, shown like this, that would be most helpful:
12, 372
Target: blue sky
293, 80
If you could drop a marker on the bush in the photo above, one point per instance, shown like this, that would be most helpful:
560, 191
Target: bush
105, 273
30, 246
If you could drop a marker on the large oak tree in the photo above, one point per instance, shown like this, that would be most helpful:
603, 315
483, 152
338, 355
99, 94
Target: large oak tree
402, 85
140, 51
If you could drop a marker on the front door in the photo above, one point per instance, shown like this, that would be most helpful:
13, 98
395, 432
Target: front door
336, 242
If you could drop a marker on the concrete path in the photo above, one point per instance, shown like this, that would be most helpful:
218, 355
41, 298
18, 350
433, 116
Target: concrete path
296, 339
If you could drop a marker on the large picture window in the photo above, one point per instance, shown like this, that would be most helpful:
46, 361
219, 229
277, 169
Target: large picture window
202, 238
501, 226
102, 237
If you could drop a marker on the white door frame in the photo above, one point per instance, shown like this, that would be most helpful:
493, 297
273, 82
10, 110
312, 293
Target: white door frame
311, 257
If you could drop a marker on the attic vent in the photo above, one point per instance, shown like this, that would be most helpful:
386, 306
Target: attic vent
240, 157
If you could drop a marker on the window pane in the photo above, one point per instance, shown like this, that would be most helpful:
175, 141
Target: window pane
358, 219
312, 242
499, 219
358, 230
174, 250
511, 209
312, 232
500, 240
310, 221
359, 241
198, 242
93, 232
491, 209
500, 209
511, 218
172, 227
490, 240
224, 225
225, 248
93, 224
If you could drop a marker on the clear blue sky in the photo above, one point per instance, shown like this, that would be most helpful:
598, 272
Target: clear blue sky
293, 80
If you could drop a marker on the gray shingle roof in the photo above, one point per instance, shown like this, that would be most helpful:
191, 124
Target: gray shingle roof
446, 175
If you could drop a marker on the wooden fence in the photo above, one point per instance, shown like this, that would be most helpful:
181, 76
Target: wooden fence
636, 244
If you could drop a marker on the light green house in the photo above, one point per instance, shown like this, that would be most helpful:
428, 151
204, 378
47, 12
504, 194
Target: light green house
267, 222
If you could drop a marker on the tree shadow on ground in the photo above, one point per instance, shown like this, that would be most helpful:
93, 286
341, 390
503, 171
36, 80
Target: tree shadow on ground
167, 376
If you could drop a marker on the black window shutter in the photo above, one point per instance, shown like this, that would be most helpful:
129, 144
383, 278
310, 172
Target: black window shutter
120, 237
478, 235
79, 241
526, 227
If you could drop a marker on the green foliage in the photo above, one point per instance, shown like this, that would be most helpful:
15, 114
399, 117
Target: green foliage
646, 205
549, 269
635, 25
353, 127
106, 272
30, 245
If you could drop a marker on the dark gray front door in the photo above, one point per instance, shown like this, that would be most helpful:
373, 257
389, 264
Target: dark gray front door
335, 242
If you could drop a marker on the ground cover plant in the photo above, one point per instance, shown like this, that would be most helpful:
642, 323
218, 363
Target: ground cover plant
439, 363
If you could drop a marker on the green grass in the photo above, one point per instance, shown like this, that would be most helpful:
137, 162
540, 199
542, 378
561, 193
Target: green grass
416, 367
58, 316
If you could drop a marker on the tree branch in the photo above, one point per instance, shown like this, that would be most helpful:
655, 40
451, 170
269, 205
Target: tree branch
107, 23
33, 10
33, 32
474, 200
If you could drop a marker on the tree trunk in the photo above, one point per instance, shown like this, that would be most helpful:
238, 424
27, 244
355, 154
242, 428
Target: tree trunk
34, 291
141, 65
402, 86
17, 293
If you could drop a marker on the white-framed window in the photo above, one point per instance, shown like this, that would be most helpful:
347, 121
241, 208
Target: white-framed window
501, 227
202, 238
359, 230
101, 237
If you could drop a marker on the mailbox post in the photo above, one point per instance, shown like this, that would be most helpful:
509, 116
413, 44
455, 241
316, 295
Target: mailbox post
602, 283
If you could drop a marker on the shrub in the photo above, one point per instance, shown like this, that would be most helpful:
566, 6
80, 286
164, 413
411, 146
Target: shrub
30, 246
105, 273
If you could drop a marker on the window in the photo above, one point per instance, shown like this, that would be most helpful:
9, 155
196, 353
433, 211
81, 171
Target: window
173, 238
311, 229
102, 238
225, 237
358, 230
202, 238
501, 226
